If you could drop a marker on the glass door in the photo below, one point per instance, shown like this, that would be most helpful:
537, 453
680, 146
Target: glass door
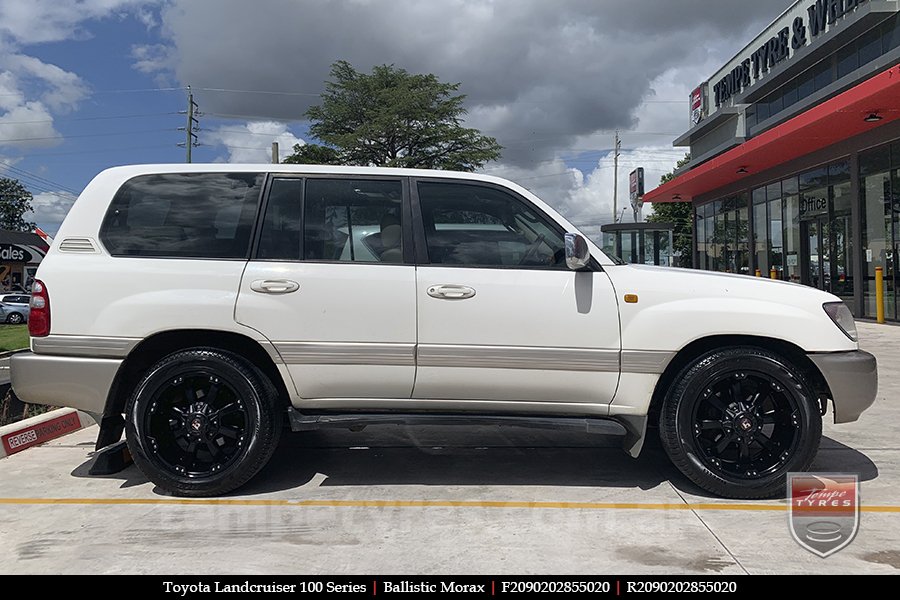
811, 236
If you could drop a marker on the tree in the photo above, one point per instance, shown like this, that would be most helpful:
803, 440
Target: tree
314, 154
682, 215
15, 202
392, 118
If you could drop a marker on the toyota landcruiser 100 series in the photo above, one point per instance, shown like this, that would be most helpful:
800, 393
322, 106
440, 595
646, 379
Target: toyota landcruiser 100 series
242, 299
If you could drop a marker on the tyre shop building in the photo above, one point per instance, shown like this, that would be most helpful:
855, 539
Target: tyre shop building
20, 255
795, 154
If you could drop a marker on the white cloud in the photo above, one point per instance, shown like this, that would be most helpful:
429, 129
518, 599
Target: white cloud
32, 91
252, 141
49, 209
37, 21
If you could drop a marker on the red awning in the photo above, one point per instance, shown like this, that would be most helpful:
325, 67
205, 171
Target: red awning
832, 121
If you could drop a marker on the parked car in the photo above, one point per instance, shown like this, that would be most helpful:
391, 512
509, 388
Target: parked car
249, 298
14, 308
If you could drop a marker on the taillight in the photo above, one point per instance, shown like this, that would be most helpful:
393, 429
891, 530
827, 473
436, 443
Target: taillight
39, 319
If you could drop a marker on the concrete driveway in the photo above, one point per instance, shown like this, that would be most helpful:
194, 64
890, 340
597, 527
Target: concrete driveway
446, 500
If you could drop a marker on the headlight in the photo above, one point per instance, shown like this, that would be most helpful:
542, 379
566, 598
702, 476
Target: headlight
842, 317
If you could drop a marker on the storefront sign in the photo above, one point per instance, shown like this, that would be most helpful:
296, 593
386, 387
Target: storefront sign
14, 253
813, 206
697, 112
636, 186
820, 16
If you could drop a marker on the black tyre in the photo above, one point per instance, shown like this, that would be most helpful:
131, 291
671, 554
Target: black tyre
202, 422
738, 419
15, 318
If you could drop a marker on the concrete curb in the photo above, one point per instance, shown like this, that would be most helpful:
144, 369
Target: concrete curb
42, 428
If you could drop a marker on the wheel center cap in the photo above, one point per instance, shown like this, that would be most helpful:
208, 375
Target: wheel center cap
197, 424
745, 424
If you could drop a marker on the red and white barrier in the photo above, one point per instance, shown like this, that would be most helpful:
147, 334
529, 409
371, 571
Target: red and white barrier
42, 428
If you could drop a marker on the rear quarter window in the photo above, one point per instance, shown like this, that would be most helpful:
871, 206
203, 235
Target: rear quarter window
183, 215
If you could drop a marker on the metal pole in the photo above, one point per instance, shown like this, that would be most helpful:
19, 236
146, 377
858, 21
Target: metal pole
616, 178
189, 133
274, 153
879, 294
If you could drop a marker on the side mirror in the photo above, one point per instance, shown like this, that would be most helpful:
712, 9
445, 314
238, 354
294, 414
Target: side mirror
577, 253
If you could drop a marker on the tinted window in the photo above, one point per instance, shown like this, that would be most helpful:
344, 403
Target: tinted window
353, 220
482, 226
184, 215
280, 237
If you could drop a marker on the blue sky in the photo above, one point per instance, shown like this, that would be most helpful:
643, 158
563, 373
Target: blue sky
105, 81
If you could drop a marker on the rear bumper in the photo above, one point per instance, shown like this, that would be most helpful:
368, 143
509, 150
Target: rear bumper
81, 383
852, 378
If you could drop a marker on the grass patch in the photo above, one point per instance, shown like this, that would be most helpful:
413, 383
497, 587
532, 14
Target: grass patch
13, 337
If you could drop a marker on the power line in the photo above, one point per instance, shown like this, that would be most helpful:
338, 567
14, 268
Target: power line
66, 119
266, 92
96, 151
83, 135
121, 91
36, 177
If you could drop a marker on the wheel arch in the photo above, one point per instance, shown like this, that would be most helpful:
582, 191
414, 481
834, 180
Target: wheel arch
703, 345
155, 347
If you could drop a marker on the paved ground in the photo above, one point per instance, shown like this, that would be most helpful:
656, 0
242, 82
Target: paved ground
442, 500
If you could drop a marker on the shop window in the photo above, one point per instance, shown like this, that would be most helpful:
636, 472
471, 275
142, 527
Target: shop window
847, 60
890, 39
823, 74
869, 47
790, 94
806, 84
792, 237
760, 230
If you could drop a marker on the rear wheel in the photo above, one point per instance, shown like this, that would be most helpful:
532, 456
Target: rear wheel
738, 419
202, 422
15, 318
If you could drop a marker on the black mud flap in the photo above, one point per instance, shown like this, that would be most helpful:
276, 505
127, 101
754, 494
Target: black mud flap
111, 459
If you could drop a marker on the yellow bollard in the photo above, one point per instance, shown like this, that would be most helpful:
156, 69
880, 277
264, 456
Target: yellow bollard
758, 273
879, 294
773, 274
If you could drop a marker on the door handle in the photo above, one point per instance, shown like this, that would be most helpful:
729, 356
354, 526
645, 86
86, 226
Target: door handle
274, 286
451, 291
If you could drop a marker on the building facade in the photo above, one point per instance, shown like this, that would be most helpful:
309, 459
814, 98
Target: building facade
20, 255
795, 154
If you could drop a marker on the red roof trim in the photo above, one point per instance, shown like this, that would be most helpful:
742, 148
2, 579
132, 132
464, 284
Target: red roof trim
832, 121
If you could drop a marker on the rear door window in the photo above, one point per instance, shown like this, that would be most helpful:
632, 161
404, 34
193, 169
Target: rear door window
183, 215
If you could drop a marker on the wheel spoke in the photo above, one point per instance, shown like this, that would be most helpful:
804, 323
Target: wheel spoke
724, 442
716, 403
764, 441
711, 424
736, 393
230, 432
744, 449
211, 395
212, 447
225, 410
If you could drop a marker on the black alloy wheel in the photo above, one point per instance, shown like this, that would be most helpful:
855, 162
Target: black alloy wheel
202, 422
737, 420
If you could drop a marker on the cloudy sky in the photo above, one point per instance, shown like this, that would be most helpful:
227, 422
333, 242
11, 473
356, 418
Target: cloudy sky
89, 84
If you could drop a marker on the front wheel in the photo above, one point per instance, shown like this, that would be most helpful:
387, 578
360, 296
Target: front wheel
15, 319
202, 422
737, 420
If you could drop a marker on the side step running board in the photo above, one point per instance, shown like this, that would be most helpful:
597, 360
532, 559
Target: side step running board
632, 427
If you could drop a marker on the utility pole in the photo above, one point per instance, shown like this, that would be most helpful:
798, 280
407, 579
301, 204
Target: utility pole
616, 178
274, 153
191, 125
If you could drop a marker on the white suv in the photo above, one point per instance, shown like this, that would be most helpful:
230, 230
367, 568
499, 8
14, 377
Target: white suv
241, 298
